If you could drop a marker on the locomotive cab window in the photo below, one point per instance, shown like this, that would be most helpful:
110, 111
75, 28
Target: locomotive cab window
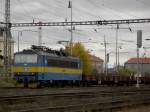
25, 58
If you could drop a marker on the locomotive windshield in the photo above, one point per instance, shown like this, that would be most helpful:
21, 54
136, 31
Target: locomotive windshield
25, 58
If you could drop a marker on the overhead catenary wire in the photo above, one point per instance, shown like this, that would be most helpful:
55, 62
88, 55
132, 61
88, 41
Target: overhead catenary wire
144, 3
112, 9
27, 13
1, 11
22, 17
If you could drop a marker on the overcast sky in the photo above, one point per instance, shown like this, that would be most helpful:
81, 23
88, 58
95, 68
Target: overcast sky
57, 10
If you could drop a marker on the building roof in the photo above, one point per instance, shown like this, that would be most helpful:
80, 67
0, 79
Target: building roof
96, 59
141, 60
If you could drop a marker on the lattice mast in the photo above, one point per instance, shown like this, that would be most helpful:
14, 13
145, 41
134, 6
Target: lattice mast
7, 39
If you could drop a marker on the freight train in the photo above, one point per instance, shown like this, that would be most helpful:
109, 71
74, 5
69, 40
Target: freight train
47, 67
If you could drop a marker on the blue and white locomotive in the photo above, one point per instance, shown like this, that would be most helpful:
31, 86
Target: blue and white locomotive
46, 66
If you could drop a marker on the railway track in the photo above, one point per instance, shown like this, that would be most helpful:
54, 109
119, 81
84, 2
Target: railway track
108, 105
75, 94
66, 101
18, 92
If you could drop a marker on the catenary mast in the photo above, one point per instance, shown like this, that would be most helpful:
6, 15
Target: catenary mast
7, 39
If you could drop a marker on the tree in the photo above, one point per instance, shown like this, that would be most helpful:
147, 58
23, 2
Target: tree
126, 72
78, 50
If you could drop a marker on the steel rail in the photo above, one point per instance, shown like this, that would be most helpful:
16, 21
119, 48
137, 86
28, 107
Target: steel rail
74, 94
111, 104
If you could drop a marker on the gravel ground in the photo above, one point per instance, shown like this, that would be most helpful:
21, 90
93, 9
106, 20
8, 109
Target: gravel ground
62, 101
22, 91
145, 108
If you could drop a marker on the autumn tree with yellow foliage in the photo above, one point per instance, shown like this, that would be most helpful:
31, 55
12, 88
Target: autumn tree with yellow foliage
78, 50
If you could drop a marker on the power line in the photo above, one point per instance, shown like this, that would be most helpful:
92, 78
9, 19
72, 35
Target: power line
118, 11
146, 4
23, 16
2, 10
27, 12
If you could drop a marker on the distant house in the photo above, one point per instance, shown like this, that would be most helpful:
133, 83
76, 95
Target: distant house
144, 65
97, 64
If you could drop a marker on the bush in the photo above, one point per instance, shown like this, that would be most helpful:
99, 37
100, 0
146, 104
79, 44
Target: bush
7, 82
126, 72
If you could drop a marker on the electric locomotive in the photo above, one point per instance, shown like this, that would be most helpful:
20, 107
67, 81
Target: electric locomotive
45, 67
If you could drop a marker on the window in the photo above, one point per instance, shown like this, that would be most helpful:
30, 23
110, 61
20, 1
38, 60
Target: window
74, 65
25, 58
62, 63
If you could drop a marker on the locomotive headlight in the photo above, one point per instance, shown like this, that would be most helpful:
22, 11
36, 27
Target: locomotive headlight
25, 64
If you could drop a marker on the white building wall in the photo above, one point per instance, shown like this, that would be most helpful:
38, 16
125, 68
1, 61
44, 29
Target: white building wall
144, 68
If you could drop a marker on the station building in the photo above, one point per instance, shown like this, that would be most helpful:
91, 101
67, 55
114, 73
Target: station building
97, 64
144, 65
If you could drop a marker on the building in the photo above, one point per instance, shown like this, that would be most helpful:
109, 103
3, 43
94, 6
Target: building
144, 65
97, 64
2, 45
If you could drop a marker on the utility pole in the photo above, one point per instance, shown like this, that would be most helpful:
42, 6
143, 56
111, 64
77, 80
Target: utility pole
40, 34
139, 45
19, 34
71, 40
137, 81
7, 39
105, 45
117, 48
18, 40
